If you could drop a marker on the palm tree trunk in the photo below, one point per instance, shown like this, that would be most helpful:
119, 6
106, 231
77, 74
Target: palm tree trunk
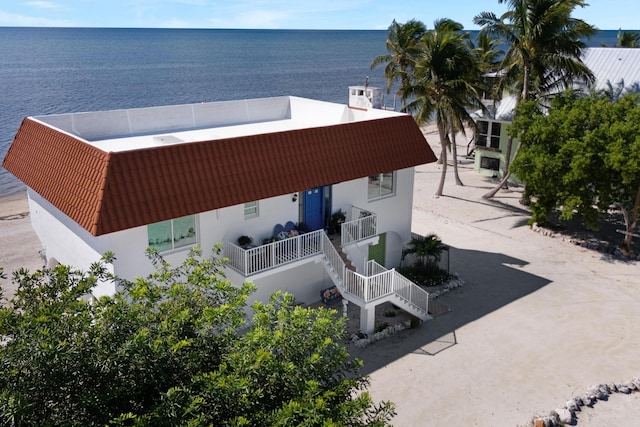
440, 159
630, 223
507, 161
454, 152
443, 157
505, 178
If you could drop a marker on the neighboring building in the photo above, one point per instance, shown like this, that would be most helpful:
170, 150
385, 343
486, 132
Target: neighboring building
174, 176
614, 68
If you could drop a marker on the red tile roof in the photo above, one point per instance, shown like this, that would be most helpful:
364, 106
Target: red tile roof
106, 192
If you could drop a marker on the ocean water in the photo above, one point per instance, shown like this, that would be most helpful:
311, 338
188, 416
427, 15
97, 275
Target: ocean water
62, 70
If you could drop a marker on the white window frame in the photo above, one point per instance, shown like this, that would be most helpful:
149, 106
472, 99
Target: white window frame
174, 247
380, 179
251, 210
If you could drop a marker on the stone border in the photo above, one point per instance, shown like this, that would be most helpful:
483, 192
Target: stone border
608, 248
566, 414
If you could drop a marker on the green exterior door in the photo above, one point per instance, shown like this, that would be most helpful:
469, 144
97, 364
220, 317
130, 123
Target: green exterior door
377, 252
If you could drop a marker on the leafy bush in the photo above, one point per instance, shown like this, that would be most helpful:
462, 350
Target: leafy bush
382, 326
425, 274
172, 349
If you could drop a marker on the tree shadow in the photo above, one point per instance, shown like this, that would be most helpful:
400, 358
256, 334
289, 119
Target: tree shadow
492, 281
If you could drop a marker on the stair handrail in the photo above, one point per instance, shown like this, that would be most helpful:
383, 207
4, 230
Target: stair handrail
352, 249
363, 224
371, 287
333, 256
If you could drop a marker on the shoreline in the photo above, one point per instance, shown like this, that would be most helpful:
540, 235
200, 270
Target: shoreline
11, 203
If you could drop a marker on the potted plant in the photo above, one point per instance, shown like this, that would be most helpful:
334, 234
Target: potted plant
244, 241
337, 219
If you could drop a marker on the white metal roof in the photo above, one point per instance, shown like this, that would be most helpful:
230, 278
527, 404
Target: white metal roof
613, 64
610, 65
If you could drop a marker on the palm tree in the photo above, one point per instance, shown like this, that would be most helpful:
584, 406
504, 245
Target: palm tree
446, 82
628, 39
489, 54
544, 44
426, 248
402, 41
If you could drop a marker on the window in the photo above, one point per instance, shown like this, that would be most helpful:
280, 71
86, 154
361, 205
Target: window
250, 209
173, 234
484, 138
489, 163
380, 185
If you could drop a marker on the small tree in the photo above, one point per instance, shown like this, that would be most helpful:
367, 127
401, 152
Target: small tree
428, 249
582, 157
169, 350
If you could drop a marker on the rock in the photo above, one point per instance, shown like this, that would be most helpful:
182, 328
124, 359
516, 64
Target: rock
623, 389
600, 392
588, 399
572, 404
538, 422
565, 416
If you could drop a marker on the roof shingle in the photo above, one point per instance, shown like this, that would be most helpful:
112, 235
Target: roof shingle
106, 192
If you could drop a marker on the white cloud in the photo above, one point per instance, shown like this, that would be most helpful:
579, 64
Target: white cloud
281, 13
15, 20
191, 2
261, 19
43, 4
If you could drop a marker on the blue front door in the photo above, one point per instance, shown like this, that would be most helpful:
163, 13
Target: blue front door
314, 208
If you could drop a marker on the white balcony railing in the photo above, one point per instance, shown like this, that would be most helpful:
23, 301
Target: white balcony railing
376, 283
261, 258
362, 226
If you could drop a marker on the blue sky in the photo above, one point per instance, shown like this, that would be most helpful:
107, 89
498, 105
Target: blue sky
280, 14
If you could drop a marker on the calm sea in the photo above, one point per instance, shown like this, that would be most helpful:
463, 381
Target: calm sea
61, 70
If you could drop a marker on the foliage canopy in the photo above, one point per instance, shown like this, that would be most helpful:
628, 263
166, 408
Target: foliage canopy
581, 156
172, 349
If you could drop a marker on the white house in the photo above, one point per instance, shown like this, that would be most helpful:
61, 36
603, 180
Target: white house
613, 68
174, 176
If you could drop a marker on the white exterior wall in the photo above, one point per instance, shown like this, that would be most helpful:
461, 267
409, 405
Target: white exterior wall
64, 241
213, 227
305, 281
68, 243
393, 211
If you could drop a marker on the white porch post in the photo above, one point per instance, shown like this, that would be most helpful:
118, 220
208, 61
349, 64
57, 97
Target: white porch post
367, 320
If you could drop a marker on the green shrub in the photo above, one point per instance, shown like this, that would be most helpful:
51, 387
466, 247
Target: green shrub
425, 274
382, 326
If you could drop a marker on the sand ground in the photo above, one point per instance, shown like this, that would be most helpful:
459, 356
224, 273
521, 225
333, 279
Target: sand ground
538, 321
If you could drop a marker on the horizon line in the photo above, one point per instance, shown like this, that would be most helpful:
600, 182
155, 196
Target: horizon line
229, 28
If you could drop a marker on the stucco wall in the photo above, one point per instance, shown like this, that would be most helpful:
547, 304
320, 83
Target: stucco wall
65, 242
393, 212
69, 244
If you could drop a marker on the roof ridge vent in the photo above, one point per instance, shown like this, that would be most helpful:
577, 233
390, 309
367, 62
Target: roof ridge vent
167, 139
